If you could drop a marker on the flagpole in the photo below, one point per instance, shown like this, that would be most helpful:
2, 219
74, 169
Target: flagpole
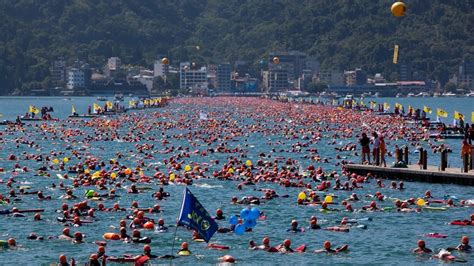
172, 245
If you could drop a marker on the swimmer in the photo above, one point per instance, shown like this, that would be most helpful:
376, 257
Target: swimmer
327, 248
294, 227
285, 247
66, 235
422, 249
10, 243
264, 246
63, 261
463, 246
313, 223
219, 215
78, 238
184, 250
161, 225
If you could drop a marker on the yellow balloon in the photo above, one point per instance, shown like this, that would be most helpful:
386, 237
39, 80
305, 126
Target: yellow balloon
66, 160
328, 199
187, 168
301, 196
172, 177
55, 161
420, 202
398, 9
248, 163
113, 175
276, 60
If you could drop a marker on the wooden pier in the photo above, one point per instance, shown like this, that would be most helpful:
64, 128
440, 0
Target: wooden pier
413, 173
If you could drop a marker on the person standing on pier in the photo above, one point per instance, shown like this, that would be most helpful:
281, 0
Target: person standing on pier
376, 149
465, 148
365, 143
383, 151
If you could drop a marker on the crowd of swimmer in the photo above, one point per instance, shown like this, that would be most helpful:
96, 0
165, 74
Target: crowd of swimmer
306, 126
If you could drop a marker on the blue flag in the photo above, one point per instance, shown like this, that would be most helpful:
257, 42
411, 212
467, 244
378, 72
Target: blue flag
194, 215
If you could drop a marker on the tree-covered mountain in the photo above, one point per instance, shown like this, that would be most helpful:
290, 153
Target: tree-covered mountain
434, 36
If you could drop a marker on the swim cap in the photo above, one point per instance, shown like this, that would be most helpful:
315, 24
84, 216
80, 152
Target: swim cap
62, 258
184, 245
161, 221
93, 257
327, 244
294, 222
266, 240
66, 231
78, 235
227, 258
146, 248
136, 233
219, 212
11, 242
287, 243
373, 204
101, 249
421, 243
465, 240
140, 214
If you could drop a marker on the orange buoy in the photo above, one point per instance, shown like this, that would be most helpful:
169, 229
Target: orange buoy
398, 9
111, 236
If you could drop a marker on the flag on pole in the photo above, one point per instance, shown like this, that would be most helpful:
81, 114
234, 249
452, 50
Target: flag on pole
33, 109
458, 115
395, 54
427, 109
472, 117
73, 110
441, 113
194, 215
373, 104
386, 106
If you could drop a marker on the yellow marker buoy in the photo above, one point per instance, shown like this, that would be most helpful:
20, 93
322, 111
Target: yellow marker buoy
55, 161
301, 196
172, 177
420, 202
398, 9
187, 168
328, 199
248, 163
113, 175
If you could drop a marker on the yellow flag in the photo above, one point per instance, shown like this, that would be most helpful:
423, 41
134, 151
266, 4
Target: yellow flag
362, 103
458, 115
386, 106
73, 109
110, 105
399, 106
395, 54
373, 104
472, 117
441, 113
33, 109
427, 109
96, 107
410, 109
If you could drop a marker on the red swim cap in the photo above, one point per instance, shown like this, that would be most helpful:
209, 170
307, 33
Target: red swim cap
147, 248
287, 243
266, 240
465, 240
327, 244
184, 245
421, 243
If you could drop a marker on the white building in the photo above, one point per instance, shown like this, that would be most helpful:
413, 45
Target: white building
190, 78
114, 63
75, 79
159, 69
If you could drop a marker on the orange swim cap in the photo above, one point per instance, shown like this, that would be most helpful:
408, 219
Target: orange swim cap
184, 245
465, 240
62, 258
66, 231
266, 240
227, 258
101, 249
327, 244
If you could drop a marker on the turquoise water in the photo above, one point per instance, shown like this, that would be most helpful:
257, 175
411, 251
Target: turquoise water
389, 239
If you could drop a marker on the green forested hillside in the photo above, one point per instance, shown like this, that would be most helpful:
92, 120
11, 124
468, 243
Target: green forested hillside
434, 36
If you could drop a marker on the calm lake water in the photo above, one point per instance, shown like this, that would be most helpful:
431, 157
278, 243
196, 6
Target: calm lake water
388, 239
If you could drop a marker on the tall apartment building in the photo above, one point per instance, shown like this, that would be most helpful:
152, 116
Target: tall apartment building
76, 79
58, 72
223, 75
